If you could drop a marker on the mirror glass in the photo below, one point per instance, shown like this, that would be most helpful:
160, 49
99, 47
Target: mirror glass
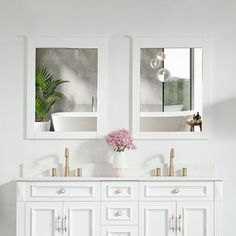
65, 87
171, 89
66, 84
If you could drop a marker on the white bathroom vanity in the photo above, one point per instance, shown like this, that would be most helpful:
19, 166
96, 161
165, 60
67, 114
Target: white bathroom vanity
132, 206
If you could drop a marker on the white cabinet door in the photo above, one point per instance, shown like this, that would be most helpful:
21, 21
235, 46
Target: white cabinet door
81, 218
157, 218
195, 218
43, 218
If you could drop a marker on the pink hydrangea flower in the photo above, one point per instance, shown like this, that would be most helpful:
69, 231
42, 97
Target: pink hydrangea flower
120, 140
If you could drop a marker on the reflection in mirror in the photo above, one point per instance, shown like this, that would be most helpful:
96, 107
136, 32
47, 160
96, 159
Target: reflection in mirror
170, 82
68, 95
65, 87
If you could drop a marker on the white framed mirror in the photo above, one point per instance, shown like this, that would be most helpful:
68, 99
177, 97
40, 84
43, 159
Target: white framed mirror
65, 87
170, 77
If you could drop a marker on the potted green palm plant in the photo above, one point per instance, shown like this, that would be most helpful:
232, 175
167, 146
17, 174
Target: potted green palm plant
46, 96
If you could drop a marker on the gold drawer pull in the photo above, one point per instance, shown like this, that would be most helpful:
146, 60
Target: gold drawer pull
179, 223
172, 223
58, 229
64, 224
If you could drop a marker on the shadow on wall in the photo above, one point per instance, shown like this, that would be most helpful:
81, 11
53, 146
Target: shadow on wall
38, 167
96, 156
94, 151
154, 160
93, 156
223, 119
8, 209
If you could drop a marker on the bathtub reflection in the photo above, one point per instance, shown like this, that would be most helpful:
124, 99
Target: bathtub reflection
74, 121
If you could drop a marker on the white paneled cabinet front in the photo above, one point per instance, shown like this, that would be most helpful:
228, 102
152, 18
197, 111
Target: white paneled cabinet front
195, 218
157, 218
117, 207
181, 218
67, 219
43, 218
81, 218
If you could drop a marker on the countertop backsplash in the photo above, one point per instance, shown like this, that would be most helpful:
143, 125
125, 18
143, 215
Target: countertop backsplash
104, 170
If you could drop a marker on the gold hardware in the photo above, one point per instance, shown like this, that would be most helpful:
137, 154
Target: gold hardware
64, 224
54, 172
158, 172
172, 223
79, 172
67, 167
171, 171
184, 172
179, 223
58, 229
66, 152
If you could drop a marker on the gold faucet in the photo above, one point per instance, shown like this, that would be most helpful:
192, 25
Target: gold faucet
67, 167
171, 170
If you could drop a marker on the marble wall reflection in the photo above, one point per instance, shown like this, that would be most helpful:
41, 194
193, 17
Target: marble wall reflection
150, 87
79, 66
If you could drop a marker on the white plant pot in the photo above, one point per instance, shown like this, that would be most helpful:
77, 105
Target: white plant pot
119, 167
42, 126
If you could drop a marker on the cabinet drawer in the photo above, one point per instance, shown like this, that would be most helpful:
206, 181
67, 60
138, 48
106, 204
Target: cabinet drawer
88, 191
119, 213
173, 190
119, 191
119, 231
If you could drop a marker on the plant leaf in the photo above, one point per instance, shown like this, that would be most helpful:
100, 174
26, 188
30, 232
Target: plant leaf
46, 94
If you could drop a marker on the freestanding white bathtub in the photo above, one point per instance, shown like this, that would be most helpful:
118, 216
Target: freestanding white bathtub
74, 121
171, 121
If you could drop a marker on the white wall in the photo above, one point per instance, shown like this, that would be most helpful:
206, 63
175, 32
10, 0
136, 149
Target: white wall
214, 18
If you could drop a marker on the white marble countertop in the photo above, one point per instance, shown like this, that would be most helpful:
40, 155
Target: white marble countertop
128, 178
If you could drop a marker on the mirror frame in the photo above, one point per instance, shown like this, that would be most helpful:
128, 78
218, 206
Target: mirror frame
170, 42
99, 43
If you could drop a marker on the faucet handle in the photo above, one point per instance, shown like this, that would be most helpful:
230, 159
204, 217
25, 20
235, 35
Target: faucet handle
66, 152
172, 152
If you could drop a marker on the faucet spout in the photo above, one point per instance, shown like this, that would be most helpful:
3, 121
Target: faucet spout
171, 171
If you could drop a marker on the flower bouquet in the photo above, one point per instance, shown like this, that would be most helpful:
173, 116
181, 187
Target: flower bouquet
120, 140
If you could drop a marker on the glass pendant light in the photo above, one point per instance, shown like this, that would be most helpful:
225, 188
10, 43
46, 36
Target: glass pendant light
163, 75
154, 63
161, 56
158, 59
157, 63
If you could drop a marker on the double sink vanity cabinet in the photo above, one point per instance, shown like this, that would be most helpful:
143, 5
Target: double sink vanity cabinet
131, 206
